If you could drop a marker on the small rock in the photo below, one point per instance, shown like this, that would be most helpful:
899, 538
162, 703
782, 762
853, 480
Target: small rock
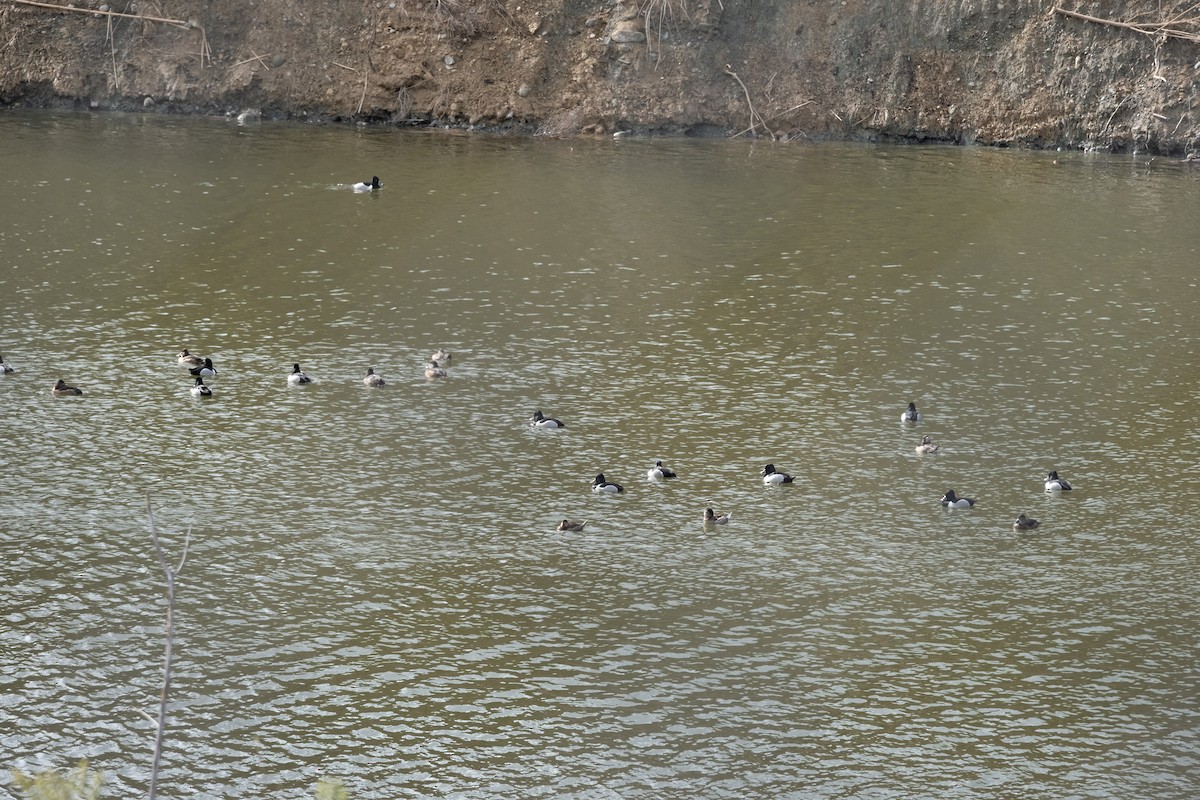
448, 61
626, 36
249, 115
524, 90
591, 22
279, 60
148, 102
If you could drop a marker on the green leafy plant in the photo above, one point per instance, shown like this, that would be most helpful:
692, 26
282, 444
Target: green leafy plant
77, 784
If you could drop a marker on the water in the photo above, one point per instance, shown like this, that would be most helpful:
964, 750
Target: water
374, 589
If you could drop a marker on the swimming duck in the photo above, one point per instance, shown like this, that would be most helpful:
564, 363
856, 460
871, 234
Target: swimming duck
659, 471
188, 360
363, 186
5, 367
951, 500
62, 390
200, 390
206, 371
539, 420
911, 414
442, 356
298, 376
712, 519
567, 525
1055, 483
771, 476
599, 484
1024, 523
434, 371
371, 379
927, 445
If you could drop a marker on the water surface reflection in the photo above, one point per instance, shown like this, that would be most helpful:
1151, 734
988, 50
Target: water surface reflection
374, 588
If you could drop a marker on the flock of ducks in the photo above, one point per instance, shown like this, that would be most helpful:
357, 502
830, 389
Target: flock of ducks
601, 484
950, 499
775, 477
201, 368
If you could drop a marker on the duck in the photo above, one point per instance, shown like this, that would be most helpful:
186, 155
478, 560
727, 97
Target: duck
770, 476
442, 356
951, 500
927, 446
364, 186
206, 371
1024, 523
567, 525
5, 367
540, 420
599, 484
1055, 483
434, 371
911, 414
711, 518
200, 390
659, 471
298, 376
187, 359
62, 390
371, 379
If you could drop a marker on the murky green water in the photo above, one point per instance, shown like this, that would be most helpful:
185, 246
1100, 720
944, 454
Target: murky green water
374, 588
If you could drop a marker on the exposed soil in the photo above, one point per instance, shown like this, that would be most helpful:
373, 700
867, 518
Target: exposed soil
995, 72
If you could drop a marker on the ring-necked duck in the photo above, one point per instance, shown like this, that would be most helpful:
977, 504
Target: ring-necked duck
363, 186
540, 420
1024, 523
298, 376
206, 371
567, 525
200, 390
712, 519
951, 500
187, 359
434, 371
1055, 483
442, 356
5, 367
599, 484
771, 476
62, 390
659, 471
371, 379
927, 445
911, 414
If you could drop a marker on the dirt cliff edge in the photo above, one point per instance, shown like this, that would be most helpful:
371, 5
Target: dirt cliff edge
995, 72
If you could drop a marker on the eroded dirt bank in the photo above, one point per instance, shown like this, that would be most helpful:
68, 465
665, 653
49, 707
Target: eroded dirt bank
993, 72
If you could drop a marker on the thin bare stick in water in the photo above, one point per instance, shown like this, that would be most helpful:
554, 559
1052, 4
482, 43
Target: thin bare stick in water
170, 635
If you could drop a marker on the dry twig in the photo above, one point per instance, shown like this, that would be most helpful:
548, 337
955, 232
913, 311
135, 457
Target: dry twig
775, 116
181, 23
1168, 28
755, 118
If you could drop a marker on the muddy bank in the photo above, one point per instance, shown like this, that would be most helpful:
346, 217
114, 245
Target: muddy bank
993, 72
